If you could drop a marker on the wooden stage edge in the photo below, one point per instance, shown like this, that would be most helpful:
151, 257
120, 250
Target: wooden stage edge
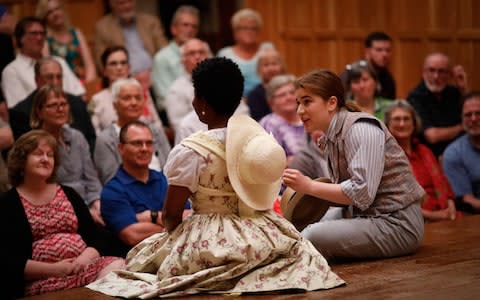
446, 266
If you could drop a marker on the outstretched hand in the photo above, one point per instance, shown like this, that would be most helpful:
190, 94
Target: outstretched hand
296, 180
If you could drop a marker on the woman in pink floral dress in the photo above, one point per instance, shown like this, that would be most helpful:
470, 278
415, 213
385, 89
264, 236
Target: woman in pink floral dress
233, 243
52, 237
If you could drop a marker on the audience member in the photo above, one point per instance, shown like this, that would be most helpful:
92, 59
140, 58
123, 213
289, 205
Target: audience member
370, 175
7, 26
56, 245
6, 141
362, 88
132, 201
246, 26
48, 71
18, 79
139, 33
437, 103
167, 63
378, 52
270, 63
115, 62
461, 158
404, 123
221, 173
128, 103
65, 40
51, 112
178, 100
284, 123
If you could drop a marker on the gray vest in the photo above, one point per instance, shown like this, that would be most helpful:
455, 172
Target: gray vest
398, 187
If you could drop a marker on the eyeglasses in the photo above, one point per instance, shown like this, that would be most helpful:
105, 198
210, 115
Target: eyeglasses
197, 52
284, 94
140, 143
56, 105
116, 63
36, 33
357, 65
405, 119
439, 71
248, 28
471, 114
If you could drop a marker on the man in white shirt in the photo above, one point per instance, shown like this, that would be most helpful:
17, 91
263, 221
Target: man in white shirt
18, 77
178, 101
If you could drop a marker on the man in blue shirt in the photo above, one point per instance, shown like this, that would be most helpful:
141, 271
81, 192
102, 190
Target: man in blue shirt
461, 159
132, 201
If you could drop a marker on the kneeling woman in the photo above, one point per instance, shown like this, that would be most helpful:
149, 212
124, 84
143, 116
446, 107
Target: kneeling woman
370, 173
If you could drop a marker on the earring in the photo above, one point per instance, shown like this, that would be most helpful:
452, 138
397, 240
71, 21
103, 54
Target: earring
203, 112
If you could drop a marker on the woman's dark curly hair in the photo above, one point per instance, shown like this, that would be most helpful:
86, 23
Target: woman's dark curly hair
219, 82
24, 145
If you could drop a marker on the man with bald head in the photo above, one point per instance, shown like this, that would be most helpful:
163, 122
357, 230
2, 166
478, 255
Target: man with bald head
438, 103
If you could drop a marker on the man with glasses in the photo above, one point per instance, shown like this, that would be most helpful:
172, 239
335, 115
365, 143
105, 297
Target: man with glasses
132, 201
48, 70
129, 105
461, 160
438, 103
18, 79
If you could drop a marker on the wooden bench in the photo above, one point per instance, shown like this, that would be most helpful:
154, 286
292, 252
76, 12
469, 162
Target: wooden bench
447, 266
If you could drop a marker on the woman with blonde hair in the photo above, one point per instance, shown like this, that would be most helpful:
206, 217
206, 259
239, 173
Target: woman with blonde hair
66, 41
246, 25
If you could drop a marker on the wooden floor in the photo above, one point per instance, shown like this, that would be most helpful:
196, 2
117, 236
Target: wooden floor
447, 266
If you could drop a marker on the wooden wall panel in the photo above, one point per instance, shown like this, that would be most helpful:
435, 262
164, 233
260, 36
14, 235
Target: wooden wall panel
329, 33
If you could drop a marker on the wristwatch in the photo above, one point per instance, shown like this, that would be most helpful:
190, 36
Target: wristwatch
154, 216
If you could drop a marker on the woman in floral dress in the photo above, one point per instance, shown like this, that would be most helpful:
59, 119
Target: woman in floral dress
52, 238
233, 243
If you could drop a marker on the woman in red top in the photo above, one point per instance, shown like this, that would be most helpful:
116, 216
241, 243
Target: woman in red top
403, 123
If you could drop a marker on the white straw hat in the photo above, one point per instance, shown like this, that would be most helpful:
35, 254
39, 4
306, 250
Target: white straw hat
302, 209
255, 162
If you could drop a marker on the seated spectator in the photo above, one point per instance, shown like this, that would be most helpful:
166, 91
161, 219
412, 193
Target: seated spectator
56, 244
66, 41
139, 33
363, 87
178, 101
115, 62
167, 63
270, 63
378, 53
128, 102
18, 79
284, 123
403, 123
51, 112
461, 158
6, 141
7, 26
132, 201
49, 71
438, 104
246, 26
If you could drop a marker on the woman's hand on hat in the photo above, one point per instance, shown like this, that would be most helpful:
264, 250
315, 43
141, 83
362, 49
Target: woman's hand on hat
296, 180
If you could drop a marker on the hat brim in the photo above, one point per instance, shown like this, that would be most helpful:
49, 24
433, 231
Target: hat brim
301, 209
240, 129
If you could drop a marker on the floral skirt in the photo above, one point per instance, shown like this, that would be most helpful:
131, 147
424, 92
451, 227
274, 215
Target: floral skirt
215, 253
